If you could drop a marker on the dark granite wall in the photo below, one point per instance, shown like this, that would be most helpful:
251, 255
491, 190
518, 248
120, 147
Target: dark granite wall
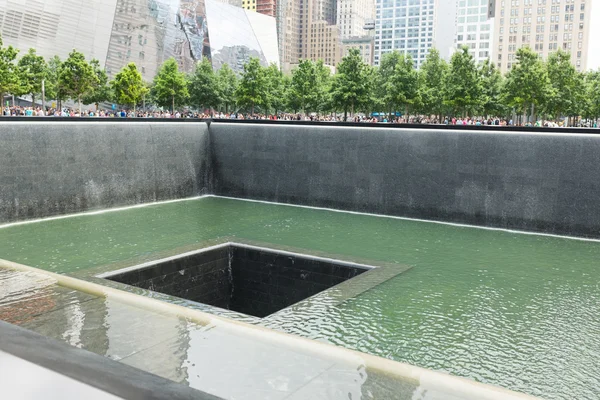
265, 282
202, 277
535, 180
250, 281
548, 182
52, 168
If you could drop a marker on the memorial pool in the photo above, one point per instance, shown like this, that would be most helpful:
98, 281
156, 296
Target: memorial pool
516, 310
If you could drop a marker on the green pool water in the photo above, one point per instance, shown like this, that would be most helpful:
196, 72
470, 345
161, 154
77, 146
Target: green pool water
520, 311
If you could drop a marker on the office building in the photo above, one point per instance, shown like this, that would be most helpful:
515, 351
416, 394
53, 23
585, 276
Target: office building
475, 28
353, 15
364, 44
543, 25
309, 31
413, 27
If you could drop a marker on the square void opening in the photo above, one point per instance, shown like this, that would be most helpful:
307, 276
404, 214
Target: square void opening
246, 279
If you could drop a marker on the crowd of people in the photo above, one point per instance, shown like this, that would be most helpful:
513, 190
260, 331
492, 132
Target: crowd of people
123, 113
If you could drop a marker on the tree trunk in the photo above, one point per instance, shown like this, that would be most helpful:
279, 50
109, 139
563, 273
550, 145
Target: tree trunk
172, 106
134, 115
1, 104
79, 98
32, 100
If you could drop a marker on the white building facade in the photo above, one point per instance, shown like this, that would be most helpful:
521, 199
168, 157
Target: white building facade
413, 27
475, 28
352, 15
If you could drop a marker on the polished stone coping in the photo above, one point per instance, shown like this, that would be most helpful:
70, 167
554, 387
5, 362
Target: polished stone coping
235, 244
68, 372
417, 379
208, 121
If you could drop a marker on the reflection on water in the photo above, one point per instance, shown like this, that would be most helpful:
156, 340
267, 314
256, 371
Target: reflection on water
514, 310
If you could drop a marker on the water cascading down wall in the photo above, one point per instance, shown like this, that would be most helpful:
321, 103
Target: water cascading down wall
545, 181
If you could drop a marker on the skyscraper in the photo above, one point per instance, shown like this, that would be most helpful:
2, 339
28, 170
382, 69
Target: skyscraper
475, 28
309, 31
352, 15
266, 7
413, 27
543, 25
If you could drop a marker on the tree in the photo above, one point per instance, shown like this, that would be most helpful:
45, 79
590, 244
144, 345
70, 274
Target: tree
53, 88
277, 88
432, 83
304, 86
592, 95
33, 70
77, 77
404, 83
492, 82
203, 86
252, 90
128, 86
101, 90
227, 83
463, 90
322, 99
169, 87
350, 87
564, 82
527, 84
385, 86
8, 72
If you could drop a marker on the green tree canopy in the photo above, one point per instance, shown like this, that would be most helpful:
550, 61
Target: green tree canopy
527, 84
277, 89
404, 83
53, 88
128, 86
565, 83
252, 90
77, 77
592, 94
432, 80
385, 85
492, 83
101, 90
203, 86
33, 71
351, 86
227, 83
463, 91
9, 78
303, 86
169, 88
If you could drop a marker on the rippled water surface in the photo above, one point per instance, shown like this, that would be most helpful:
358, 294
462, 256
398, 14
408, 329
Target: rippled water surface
520, 311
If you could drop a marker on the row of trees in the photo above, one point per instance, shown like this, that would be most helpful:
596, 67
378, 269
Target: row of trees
533, 87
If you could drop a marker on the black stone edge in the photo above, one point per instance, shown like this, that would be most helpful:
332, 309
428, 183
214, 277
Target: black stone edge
304, 256
483, 128
154, 263
92, 369
111, 275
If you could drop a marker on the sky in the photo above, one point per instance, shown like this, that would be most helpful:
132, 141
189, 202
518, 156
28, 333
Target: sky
594, 46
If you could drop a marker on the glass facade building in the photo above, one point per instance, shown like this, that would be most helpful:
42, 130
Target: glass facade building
414, 27
146, 32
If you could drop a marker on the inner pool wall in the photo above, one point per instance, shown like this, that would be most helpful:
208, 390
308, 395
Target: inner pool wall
50, 168
544, 180
534, 180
